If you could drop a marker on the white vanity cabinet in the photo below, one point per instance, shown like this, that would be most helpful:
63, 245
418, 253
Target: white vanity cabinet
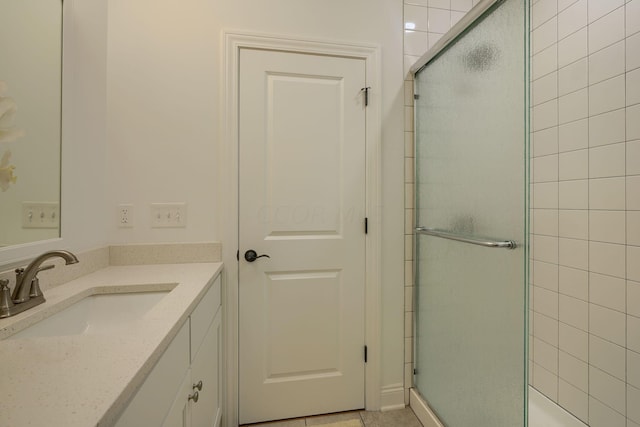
167, 398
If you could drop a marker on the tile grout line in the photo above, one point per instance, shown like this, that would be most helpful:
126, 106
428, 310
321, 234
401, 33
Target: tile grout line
557, 129
588, 231
626, 258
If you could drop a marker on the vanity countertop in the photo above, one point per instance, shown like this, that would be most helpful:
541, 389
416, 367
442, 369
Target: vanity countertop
87, 380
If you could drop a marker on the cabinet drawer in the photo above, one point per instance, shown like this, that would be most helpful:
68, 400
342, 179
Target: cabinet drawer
203, 315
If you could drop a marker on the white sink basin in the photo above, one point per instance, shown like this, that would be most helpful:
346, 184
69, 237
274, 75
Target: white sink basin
101, 313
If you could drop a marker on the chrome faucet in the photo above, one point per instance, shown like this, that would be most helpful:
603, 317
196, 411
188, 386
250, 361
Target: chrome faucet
27, 292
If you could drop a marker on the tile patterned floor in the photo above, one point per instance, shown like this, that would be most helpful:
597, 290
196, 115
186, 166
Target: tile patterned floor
399, 418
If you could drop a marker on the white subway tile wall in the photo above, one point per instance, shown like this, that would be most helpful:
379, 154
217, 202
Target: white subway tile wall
585, 83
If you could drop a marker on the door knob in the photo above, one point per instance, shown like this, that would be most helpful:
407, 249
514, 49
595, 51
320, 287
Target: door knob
252, 255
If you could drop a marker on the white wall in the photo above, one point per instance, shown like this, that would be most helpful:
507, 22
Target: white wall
164, 107
84, 169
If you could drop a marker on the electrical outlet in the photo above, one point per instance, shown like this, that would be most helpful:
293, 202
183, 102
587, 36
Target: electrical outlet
40, 215
125, 216
168, 215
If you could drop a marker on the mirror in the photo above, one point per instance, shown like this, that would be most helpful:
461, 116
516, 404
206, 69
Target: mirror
30, 120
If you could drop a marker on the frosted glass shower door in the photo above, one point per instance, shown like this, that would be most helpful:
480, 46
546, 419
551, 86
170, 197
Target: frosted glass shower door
471, 174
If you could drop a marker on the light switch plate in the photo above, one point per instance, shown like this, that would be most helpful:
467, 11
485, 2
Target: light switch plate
40, 215
168, 215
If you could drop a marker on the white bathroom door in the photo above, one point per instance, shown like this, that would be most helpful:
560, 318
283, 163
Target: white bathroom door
302, 203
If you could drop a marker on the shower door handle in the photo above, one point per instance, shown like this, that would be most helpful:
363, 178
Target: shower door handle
507, 244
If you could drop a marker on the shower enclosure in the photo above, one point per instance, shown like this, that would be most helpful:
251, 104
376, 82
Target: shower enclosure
471, 115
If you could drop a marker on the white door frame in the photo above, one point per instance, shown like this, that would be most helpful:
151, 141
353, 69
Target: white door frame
233, 42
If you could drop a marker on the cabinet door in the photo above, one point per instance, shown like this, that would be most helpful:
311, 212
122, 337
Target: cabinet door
206, 367
149, 406
179, 415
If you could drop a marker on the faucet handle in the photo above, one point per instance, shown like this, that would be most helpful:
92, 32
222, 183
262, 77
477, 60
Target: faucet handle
20, 270
35, 283
45, 267
5, 298
34, 286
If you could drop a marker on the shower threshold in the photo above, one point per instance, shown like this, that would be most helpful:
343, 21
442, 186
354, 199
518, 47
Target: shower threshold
543, 412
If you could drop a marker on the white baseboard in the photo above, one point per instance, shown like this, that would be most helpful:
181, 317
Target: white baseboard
422, 411
392, 397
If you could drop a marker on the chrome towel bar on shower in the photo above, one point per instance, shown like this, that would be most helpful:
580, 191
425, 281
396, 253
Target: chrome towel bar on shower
507, 244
